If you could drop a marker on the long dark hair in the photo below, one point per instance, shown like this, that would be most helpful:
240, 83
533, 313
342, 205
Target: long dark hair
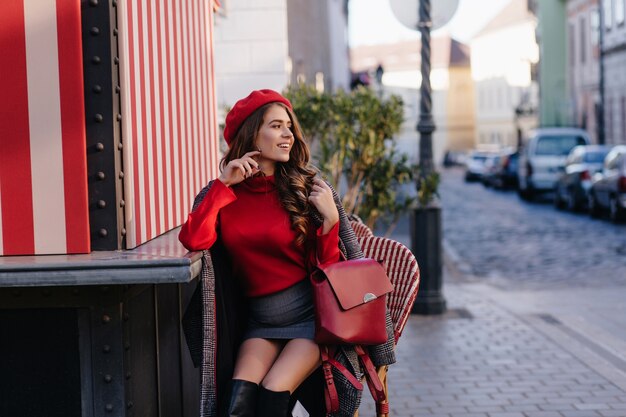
294, 179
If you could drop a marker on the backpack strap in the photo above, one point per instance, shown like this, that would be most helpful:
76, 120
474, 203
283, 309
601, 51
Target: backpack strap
331, 397
373, 381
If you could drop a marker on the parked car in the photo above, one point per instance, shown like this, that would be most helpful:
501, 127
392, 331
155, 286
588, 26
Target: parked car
572, 188
542, 158
505, 175
490, 169
454, 158
475, 165
608, 190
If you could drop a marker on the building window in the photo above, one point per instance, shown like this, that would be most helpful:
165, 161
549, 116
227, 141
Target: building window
583, 40
608, 14
609, 120
572, 44
623, 120
594, 27
619, 12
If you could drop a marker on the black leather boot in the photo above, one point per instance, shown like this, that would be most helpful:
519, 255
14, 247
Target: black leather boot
272, 403
243, 399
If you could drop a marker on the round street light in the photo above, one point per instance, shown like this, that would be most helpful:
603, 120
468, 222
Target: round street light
426, 242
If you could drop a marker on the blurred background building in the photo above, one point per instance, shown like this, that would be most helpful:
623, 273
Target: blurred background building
453, 89
614, 51
272, 43
531, 64
504, 55
583, 38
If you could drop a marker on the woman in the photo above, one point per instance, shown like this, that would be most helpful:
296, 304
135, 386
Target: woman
271, 218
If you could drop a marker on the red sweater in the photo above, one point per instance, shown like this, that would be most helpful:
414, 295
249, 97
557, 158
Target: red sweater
256, 231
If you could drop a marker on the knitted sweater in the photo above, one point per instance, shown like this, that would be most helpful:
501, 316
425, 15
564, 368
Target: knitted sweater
256, 231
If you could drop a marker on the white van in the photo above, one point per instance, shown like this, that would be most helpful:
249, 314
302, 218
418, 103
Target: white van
542, 159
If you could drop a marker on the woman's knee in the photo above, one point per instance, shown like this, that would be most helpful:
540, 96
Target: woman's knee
255, 358
298, 359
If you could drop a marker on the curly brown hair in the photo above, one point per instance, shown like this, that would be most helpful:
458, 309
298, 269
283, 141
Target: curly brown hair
294, 179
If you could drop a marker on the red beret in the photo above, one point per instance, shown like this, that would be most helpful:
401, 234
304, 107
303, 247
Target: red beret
246, 106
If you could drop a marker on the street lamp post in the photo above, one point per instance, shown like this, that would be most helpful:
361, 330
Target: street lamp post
426, 237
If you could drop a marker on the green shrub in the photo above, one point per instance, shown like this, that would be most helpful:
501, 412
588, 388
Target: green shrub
352, 138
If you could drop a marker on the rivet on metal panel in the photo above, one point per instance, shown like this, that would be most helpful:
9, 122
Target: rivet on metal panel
98, 118
101, 175
108, 378
93, 2
106, 318
100, 146
102, 204
116, 60
106, 348
108, 408
121, 175
117, 89
114, 3
123, 231
115, 32
95, 60
95, 31
119, 146
97, 89
122, 203
129, 404
103, 232
118, 117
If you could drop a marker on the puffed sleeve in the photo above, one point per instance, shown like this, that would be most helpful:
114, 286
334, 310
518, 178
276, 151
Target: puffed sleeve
199, 232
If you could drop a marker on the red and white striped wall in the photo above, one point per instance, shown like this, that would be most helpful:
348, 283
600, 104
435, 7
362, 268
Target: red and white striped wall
43, 171
169, 124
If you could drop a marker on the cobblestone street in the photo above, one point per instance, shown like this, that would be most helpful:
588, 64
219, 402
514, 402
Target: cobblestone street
507, 242
536, 314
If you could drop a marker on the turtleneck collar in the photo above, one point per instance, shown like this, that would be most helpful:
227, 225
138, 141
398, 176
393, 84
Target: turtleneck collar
260, 183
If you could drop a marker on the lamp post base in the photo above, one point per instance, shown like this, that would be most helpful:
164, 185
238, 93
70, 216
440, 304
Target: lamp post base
426, 246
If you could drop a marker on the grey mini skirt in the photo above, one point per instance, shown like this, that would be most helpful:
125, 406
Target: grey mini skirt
287, 314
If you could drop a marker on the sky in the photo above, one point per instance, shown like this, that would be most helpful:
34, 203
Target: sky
372, 22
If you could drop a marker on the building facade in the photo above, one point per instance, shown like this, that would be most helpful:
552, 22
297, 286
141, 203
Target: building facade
318, 43
251, 49
274, 43
614, 51
504, 55
583, 50
554, 103
452, 90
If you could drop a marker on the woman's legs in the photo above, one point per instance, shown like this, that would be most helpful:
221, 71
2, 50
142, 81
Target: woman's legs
298, 359
255, 358
278, 367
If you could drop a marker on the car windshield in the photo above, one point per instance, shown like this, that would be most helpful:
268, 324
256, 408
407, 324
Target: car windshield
557, 145
594, 157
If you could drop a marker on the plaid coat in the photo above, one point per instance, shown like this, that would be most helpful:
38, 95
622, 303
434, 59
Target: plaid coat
215, 318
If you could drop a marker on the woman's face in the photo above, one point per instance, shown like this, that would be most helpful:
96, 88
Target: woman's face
275, 139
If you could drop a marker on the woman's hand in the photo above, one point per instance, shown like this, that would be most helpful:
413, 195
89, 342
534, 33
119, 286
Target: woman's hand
238, 170
322, 198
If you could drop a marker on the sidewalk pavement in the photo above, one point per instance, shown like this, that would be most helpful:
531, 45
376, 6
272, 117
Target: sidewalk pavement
496, 354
